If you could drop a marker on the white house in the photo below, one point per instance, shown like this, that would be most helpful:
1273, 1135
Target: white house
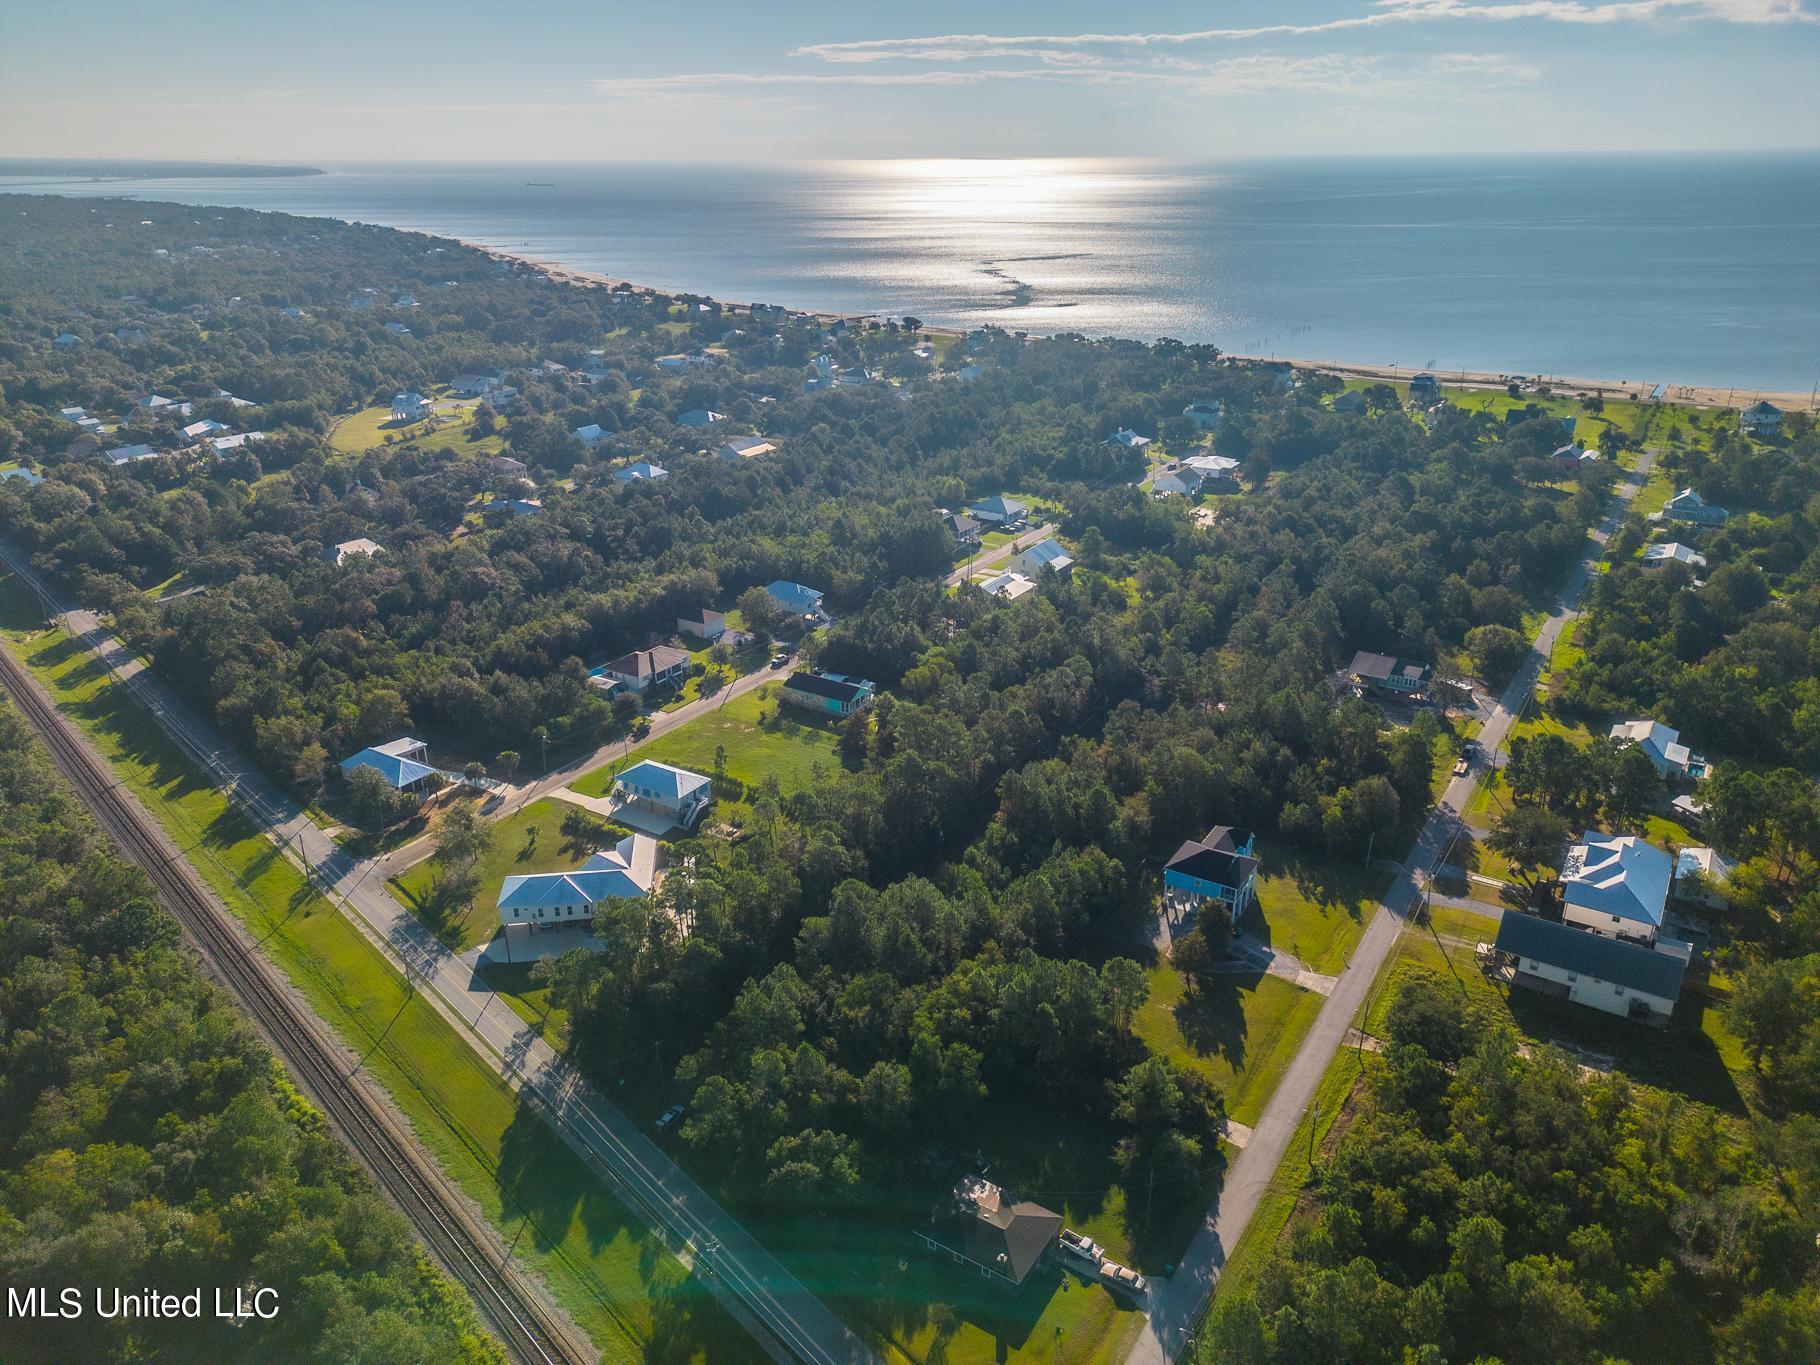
1616, 885
66, 341
707, 624
1712, 870
72, 415
694, 361
404, 763
538, 899
127, 454
1760, 419
592, 434
746, 448
154, 402
222, 444
357, 548
1660, 742
700, 417
1008, 585
969, 372
1046, 556
652, 793
208, 426
1128, 438
1205, 414
1658, 557
998, 511
1178, 483
410, 406
1631, 980
647, 670
795, 598
643, 471
1213, 468
398, 329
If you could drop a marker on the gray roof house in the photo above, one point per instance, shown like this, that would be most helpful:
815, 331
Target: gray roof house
1760, 419
1632, 980
980, 1225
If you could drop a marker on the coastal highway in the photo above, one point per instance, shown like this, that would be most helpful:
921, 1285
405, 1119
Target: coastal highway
532, 1331
1176, 1304
781, 1314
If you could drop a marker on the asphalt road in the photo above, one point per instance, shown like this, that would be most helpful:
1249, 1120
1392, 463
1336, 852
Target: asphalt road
988, 559
1176, 1303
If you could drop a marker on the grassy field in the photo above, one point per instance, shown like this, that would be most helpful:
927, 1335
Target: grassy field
791, 746
1241, 1033
546, 836
1265, 1232
623, 1289
1313, 908
361, 431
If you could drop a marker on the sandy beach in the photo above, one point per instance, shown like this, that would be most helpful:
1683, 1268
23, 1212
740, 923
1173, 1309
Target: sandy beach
1695, 395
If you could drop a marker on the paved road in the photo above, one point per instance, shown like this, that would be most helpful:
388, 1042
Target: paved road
988, 559
780, 1312
1176, 1304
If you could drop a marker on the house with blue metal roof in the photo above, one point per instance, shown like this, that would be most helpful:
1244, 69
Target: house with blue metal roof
658, 796
795, 598
1616, 885
1046, 556
404, 763
539, 899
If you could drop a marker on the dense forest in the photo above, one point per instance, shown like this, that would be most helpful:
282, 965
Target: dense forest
147, 1137
939, 931
1490, 1205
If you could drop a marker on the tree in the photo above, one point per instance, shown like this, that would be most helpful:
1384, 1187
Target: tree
371, 800
1497, 652
507, 762
1529, 838
461, 838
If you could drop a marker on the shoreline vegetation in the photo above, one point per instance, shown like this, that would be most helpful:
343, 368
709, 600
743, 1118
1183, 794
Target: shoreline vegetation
1694, 395
131, 169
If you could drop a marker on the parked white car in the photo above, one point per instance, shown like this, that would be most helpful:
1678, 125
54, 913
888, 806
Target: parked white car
1123, 1280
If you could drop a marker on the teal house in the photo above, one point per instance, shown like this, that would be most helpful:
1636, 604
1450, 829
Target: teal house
831, 694
1220, 867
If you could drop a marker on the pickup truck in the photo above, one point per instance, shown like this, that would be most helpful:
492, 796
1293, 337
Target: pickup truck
1082, 1248
1463, 767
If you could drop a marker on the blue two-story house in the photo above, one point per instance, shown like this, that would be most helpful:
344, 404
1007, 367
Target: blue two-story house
1220, 867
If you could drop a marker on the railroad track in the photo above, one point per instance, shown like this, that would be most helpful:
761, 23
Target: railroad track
532, 1333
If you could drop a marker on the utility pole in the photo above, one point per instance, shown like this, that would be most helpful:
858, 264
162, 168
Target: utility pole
1313, 1124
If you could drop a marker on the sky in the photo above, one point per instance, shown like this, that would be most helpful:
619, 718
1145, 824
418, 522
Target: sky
765, 80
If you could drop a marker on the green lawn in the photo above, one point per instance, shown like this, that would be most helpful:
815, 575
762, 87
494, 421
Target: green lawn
621, 1286
1241, 1033
1314, 908
361, 431
790, 745
546, 836
1264, 1234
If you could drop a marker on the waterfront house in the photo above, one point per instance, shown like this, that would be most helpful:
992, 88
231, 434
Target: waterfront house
649, 670
1424, 388
1222, 866
538, 899
1762, 420
410, 406
979, 1225
403, 763
831, 694
1690, 507
656, 796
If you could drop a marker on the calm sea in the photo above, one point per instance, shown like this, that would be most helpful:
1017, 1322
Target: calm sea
1641, 269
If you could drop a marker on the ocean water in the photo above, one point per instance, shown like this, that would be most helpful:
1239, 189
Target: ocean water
1689, 269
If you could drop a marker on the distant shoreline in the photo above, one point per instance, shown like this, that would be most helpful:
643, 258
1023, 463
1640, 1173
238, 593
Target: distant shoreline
1695, 395
127, 169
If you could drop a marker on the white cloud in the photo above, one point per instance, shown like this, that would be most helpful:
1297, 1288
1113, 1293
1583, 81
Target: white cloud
1065, 47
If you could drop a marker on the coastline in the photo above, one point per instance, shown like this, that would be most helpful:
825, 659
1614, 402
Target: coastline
1690, 394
